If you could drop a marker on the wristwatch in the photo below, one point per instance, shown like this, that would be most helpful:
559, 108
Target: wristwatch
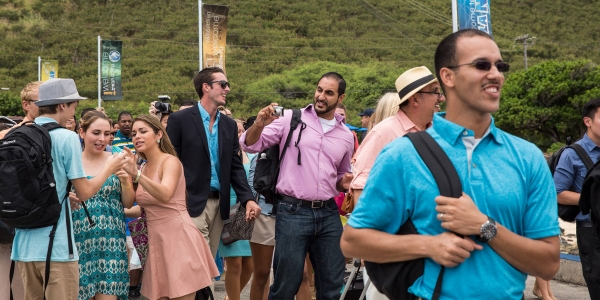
487, 231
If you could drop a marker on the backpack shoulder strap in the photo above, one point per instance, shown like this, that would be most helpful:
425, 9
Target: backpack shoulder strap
587, 161
439, 164
445, 176
296, 119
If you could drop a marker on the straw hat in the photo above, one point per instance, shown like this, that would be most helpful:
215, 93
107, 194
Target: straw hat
413, 81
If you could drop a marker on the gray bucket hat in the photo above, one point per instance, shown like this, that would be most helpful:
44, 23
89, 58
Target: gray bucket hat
58, 90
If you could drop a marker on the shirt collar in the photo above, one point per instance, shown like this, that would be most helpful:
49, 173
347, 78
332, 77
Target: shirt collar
407, 123
588, 143
453, 133
204, 114
44, 120
311, 110
119, 134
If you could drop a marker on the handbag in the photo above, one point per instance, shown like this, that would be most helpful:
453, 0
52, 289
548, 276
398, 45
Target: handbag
348, 203
139, 236
226, 238
238, 227
394, 279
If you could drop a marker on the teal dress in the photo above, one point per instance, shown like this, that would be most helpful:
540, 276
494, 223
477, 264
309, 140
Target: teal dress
102, 248
239, 248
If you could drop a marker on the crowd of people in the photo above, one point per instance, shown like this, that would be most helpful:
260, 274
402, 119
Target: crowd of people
183, 172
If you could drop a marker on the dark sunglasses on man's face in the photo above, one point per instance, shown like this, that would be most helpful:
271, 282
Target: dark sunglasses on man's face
223, 83
486, 66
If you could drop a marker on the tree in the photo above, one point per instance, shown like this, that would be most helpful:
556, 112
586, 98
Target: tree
10, 104
544, 103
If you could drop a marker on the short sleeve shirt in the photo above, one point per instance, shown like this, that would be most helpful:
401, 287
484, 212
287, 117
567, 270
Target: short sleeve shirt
32, 244
507, 178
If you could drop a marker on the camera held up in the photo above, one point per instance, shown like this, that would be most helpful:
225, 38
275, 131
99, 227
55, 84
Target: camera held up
163, 106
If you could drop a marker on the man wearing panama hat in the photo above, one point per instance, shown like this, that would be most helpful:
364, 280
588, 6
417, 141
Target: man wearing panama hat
58, 99
420, 96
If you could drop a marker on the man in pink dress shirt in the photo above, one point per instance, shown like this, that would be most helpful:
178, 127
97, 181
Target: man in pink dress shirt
420, 97
313, 171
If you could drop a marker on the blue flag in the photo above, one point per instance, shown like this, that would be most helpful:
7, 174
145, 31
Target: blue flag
475, 14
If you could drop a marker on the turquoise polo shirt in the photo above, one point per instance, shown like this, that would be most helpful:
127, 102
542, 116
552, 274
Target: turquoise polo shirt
507, 178
121, 141
213, 147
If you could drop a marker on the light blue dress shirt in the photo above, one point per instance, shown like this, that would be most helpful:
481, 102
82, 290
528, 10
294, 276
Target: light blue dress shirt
213, 147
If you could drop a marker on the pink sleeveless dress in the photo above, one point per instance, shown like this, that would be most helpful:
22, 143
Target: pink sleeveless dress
179, 260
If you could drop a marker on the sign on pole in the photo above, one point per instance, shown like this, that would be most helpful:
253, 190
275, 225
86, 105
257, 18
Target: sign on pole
214, 32
475, 14
110, 66
49, 69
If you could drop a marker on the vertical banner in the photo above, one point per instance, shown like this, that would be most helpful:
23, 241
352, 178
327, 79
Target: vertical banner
110, 60
49, 69
475, 14
214, 32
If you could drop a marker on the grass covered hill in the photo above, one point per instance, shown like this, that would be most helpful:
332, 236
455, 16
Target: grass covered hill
275, 49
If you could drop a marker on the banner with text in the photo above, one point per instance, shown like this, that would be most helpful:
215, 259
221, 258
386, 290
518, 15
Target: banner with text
110, 66
49, 69
475, 14
214, 32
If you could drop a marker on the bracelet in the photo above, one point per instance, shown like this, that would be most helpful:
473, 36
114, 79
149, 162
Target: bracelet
137, 178
126, 187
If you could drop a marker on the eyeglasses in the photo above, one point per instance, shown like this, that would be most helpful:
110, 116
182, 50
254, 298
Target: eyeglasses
223, 83
440, 95
485, 66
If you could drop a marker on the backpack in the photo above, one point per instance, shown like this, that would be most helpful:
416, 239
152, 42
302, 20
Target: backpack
268, 162
28, 196
569, 212
394, 279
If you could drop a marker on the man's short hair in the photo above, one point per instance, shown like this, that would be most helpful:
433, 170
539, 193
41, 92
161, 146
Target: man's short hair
340, 80
51, 109
29, 89
187, 103
205, 76
124, 113
590, 108
445, 54
84, 111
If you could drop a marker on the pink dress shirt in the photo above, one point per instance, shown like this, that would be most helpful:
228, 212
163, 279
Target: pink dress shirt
325, 156
382, 134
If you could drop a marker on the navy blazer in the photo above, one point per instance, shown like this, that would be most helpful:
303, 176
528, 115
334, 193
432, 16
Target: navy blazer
186, 132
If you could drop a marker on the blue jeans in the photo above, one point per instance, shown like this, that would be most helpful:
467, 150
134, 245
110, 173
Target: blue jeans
299, 230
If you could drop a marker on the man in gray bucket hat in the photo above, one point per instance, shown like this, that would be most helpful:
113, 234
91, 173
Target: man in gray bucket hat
58, 99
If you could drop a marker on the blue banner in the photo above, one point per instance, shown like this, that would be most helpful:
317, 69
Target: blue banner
475, 14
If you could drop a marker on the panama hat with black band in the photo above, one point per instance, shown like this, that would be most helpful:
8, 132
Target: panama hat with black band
412, 81
58, 90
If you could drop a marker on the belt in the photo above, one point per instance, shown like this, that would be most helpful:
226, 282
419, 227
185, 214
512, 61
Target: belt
585, 224
305, 203
214, 194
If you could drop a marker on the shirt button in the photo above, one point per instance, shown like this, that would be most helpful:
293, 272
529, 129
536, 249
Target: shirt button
465, 132
474, 165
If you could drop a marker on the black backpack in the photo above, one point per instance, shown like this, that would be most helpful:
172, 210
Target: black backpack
394, 279
268, 162
569, 212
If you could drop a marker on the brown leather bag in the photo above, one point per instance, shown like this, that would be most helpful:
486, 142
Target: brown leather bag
348, 203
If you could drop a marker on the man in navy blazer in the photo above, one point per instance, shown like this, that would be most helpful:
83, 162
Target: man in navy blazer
207, 144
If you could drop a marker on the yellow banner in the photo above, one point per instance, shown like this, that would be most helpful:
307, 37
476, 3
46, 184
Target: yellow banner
214, 32
49, 69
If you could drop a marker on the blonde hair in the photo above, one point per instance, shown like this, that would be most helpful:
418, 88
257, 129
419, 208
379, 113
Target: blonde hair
29, 89
387, 106
165, 144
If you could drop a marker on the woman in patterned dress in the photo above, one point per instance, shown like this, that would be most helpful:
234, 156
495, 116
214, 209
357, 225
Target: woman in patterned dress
102, 249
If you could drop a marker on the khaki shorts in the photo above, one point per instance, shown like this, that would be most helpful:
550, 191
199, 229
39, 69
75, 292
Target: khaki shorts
63, 283
264, 231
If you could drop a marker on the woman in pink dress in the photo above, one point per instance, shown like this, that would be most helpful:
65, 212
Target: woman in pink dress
179, 261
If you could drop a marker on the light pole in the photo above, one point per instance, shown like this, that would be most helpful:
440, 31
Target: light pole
5, 89
527, 41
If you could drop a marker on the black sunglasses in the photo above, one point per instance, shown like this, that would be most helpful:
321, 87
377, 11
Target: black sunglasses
223, 83
486, 66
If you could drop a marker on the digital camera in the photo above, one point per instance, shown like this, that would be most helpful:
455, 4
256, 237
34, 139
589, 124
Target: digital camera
278, 111
163, 106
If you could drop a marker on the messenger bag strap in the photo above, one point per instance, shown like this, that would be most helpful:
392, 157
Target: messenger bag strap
445, 176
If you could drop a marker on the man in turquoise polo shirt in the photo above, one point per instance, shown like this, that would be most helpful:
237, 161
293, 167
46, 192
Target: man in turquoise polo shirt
123, 136
508, 209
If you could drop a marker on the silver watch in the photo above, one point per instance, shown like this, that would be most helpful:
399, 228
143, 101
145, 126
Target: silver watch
487, 231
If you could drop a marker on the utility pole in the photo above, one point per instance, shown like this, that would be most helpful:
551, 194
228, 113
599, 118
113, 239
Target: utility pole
527, 41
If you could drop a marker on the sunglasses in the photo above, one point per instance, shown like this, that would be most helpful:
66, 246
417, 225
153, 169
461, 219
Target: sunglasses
223, 83
485, 66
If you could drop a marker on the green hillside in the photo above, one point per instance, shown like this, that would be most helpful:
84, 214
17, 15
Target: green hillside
374, 40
